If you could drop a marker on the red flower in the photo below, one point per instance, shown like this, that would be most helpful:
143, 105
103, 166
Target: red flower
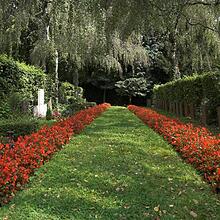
196, 144
31, 151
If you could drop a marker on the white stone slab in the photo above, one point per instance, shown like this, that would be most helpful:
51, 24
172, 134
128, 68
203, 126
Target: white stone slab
41, 97
41, 109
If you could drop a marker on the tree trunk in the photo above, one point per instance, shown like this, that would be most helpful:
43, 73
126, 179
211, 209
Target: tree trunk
209, 63
176, 71
50, 39
48, 32
175, 61
130, 99
75, 78
56, 77
10, 46
104, 96
201, 61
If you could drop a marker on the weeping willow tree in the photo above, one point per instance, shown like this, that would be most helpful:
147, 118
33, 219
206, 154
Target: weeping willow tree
122, 54
198, 41
107, 33
77, 29
192, 41
14, 18
190, 29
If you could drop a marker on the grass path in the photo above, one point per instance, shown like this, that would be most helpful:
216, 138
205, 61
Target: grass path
116, 169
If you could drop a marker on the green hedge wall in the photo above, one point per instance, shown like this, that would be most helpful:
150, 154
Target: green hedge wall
19, 77
197, 90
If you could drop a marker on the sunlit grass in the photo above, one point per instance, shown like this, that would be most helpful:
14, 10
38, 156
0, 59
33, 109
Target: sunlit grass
116, 169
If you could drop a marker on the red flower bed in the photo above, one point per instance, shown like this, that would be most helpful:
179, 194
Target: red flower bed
196, 144
30, 152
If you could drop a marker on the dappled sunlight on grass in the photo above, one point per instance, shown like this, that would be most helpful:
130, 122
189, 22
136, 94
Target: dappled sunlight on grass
116, 169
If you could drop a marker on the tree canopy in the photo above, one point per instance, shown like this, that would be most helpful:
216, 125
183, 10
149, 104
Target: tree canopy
111, 34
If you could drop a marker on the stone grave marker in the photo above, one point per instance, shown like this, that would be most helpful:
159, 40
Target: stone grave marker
41, 109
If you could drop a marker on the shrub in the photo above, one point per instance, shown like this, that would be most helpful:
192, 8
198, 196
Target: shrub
70, 109
71, 99
70, 94
193, 90
16, 76
3, 139
15, 104
49, 114
89, 104
5, 110
20, 126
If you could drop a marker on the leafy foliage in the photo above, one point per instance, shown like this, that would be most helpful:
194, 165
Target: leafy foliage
5, 110
137, 85
71, 99
193, 89
19, 77
49, 114
109, 35
20, 127
70, 93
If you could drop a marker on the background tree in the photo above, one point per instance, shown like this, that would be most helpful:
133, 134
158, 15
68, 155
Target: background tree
85, 35
134, 85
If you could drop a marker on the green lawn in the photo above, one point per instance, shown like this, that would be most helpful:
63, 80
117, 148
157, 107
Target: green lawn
116, 169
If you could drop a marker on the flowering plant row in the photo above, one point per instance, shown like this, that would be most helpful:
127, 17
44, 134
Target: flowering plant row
195, 144
30, 152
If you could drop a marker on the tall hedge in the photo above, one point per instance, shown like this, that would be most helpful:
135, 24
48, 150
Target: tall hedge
19, 77
197, 90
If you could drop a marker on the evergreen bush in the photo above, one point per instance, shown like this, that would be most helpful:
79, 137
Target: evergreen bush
49, 114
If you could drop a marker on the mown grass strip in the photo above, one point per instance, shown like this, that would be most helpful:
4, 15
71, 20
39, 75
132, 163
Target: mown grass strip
116, 169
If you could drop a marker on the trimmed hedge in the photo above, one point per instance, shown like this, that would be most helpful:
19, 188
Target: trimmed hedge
19, 127
19, 77
22, 126
197, 90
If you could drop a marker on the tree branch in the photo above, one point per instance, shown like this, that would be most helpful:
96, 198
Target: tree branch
205, 3
202, 25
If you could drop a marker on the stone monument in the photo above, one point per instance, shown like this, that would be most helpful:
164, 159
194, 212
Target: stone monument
41, 109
